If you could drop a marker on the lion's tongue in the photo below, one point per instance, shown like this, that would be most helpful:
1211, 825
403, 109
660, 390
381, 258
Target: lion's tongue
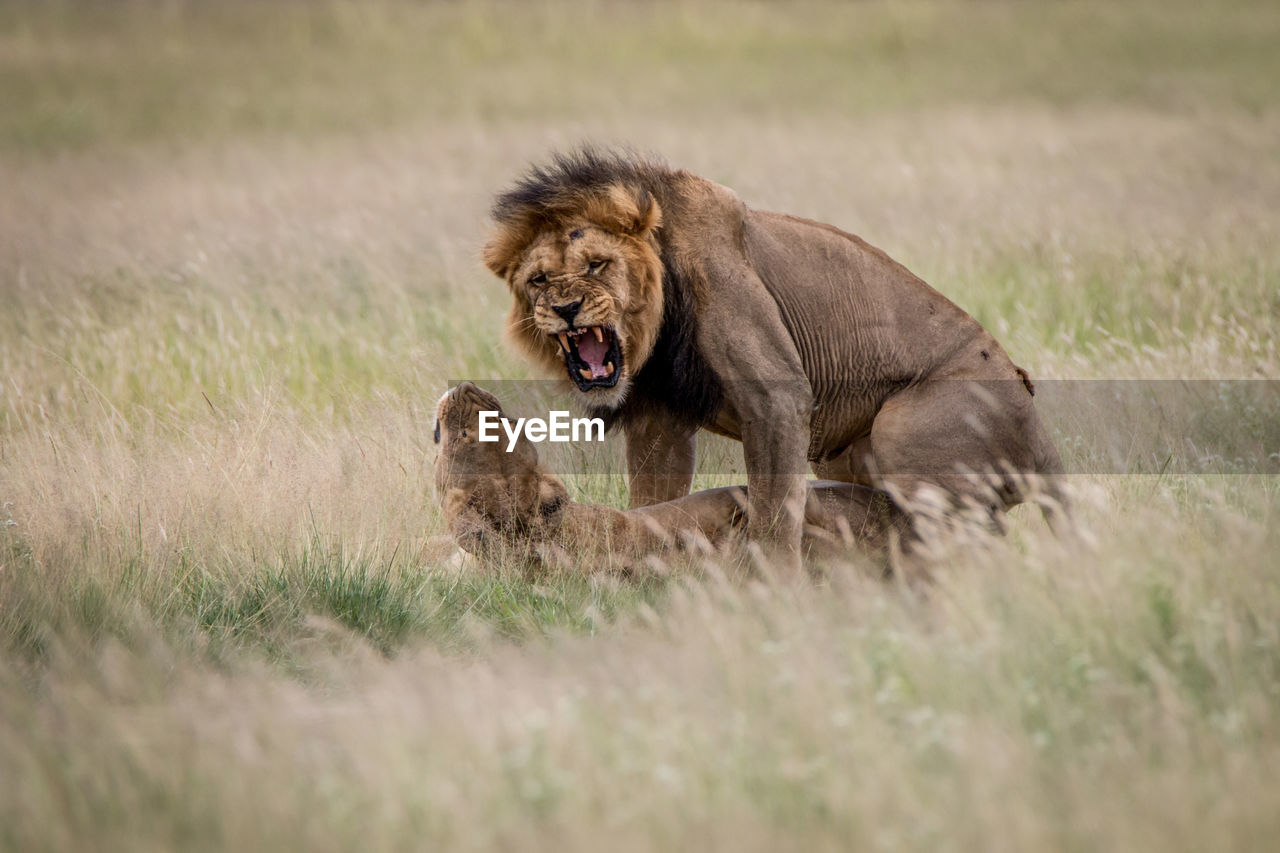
593, 352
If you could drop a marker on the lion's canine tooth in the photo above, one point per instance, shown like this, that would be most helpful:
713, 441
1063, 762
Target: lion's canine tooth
586, 374
599, 334
608, 369
564, 341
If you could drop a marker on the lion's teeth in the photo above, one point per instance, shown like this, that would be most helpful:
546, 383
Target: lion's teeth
586, 374
599, 334
564, 341
608, 369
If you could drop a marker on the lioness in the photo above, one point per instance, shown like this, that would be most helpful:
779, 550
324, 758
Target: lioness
500, 503
674, 307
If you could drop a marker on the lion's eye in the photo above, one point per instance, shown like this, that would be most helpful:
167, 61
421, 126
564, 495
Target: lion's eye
538, 279
594, 267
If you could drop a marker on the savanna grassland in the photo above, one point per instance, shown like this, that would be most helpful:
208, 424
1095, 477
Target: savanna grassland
239, 262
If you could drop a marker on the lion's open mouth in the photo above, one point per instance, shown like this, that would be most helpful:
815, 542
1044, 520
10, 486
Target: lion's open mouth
592, 356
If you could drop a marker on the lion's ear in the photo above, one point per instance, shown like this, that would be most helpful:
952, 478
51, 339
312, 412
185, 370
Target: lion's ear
648, 214
627, 210
498, 257
504, 248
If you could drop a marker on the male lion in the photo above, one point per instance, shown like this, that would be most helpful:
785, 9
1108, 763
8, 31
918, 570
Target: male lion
507, 505
674, 307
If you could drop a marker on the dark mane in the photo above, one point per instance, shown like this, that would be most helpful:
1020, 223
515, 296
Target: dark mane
676, 378
560, 184
677, 375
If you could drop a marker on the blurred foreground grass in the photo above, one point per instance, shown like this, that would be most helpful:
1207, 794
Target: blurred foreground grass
238, 264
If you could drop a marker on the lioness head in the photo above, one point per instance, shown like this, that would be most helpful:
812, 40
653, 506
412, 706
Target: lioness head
581, 259
485, 491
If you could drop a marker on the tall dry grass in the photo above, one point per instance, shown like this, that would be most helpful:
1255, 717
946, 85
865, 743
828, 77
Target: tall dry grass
1117, 693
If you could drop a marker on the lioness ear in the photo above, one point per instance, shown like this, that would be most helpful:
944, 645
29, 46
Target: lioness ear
453, 503
552, 497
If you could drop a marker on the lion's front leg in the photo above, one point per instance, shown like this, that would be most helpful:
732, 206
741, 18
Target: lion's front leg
661, 455
775, 441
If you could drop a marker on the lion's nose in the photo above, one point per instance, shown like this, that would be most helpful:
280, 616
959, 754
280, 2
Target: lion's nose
568, 311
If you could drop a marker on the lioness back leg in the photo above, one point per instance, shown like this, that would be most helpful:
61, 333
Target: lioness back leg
850, 465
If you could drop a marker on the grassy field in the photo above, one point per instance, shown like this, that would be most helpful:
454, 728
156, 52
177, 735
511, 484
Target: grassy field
239, 262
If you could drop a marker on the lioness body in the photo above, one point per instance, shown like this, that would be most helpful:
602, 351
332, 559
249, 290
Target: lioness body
794, 337
502, 503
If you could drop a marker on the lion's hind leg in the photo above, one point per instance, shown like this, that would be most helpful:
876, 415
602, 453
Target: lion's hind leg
971, 443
